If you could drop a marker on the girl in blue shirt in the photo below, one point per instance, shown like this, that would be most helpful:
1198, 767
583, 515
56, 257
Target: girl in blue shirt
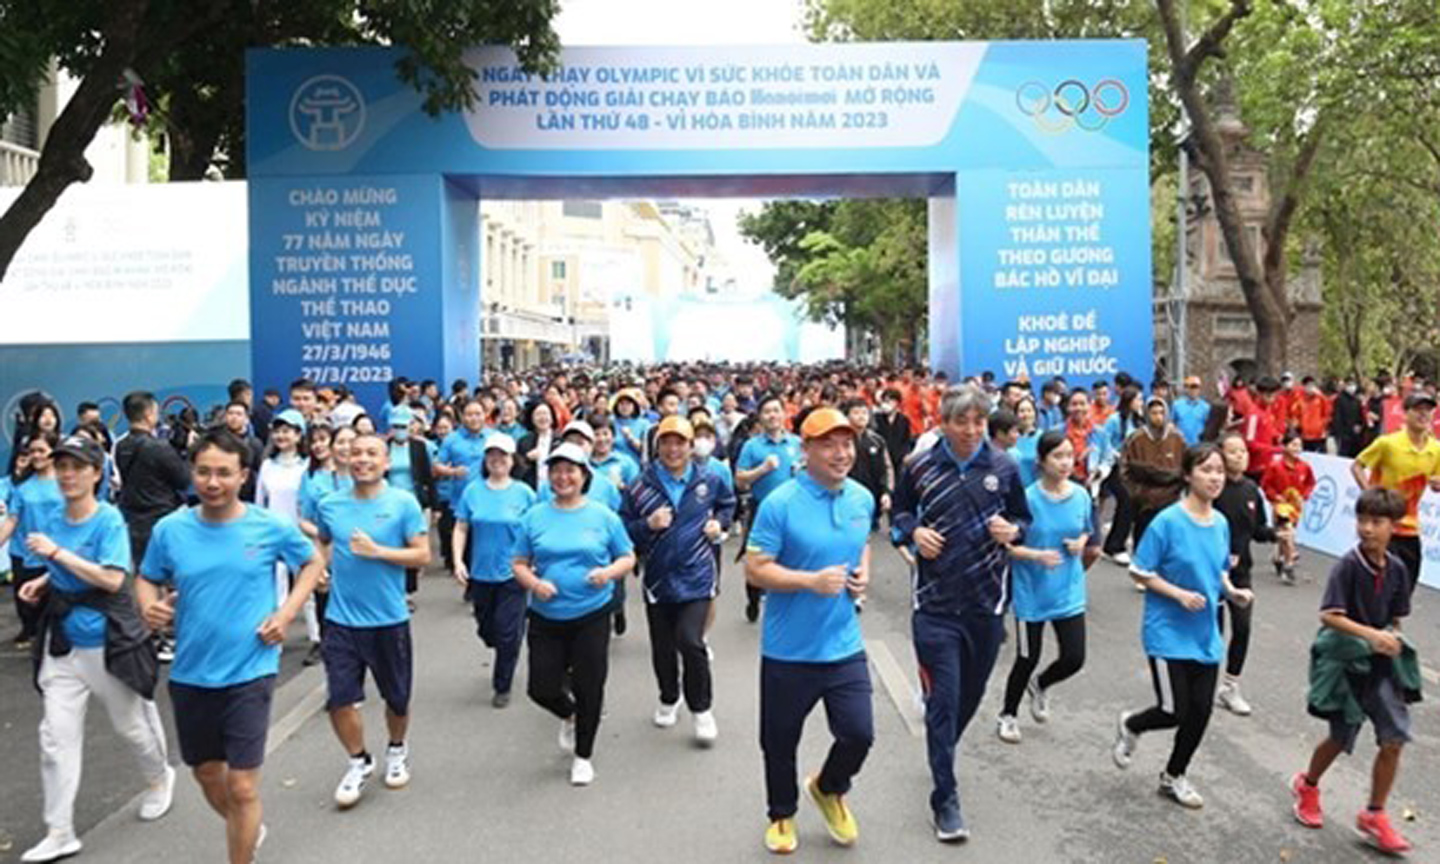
1183, 562
1048, 579
493, 507
1024, 450
33, 502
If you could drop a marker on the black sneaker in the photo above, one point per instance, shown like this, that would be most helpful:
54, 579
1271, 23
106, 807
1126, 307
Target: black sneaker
752, 609
620, 625
312, 656
950, 825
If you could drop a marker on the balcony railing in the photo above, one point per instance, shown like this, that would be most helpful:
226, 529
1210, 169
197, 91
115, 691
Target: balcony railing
17, 164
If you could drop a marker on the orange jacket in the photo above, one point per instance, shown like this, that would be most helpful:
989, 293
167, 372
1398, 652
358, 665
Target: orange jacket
1311, 413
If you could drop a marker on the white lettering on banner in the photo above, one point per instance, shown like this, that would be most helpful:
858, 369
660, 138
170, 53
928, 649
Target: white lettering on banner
1328, 521
350, 274
716, 97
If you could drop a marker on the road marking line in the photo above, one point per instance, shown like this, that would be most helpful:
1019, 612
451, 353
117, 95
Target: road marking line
309, 705
897, 684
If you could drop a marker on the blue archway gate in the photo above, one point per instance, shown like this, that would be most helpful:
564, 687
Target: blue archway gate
364, 242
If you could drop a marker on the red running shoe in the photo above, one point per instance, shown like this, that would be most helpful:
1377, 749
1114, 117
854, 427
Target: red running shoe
1375, 827
1307, 802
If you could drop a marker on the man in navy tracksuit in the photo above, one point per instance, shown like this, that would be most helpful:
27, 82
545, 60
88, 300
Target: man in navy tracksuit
959, 505
675, 512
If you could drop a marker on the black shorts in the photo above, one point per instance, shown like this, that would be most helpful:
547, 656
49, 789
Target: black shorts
1387, 711
385, 651
223, 724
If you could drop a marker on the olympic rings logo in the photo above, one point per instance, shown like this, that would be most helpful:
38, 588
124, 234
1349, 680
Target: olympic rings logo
1072, 104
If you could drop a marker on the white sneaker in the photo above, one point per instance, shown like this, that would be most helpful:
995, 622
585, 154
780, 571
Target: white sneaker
709, 651
1125, 742
1179, 790
158, 798
1008, 729
1231, 699
259, 841
397, 766
582, 772
1039, 702
1121, 558
52, 848
567, 735
353, 783
667, 715
706, 730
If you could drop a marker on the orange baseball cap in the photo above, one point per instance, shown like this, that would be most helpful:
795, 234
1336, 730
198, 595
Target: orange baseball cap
823, 421
675, 425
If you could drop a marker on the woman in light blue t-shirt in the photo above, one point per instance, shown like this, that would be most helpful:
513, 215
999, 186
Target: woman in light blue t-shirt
1183, 563
1048, 579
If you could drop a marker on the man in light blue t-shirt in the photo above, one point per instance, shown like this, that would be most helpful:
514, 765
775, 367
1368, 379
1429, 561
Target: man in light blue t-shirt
765, 462
370, 533
809, 549
220, 558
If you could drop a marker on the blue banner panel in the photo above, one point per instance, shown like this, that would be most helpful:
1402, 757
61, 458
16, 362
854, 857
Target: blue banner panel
1056, 273
346, 281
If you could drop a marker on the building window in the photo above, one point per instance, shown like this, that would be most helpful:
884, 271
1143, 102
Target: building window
557, 269
582, 209
1234, 327
20, 128
1244, 183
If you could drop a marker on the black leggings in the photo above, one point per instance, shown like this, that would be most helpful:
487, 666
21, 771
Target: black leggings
1186, 693
1120, 524
1239, 624
677, 632
1029, 637
574, 652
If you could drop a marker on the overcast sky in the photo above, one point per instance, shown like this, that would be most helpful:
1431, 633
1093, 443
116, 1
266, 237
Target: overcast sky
692, 22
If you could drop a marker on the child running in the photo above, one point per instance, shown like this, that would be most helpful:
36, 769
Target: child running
1049, 581
1287, 483
1183, 562
1361, 667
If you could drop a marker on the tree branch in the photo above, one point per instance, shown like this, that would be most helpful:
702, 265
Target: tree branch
1208, 45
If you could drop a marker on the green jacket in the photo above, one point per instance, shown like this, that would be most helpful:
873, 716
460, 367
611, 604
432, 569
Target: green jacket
1337, 659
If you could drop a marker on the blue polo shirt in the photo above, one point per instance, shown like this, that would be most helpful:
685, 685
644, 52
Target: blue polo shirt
637, 426
1192, 555
722, 471
675, 487
101, 539
315, 485
35, 503
563, 546
365, 592
601, 491
494, 519
1190, 416
805, 526
1026, 456
400, 475
224, 573
753, 455
463, 448
1049, 594
618, 467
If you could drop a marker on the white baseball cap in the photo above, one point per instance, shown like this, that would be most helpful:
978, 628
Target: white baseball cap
569, 453
579, 426
500, 441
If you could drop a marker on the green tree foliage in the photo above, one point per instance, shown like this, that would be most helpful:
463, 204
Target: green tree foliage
191, 54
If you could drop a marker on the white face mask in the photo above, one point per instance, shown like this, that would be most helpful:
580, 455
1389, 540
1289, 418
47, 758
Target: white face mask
704, 447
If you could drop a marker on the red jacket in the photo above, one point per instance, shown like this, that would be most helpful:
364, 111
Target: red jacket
1311, 413
1288, 483
1262, 438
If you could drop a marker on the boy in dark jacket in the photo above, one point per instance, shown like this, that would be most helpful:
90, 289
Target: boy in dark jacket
1366, 597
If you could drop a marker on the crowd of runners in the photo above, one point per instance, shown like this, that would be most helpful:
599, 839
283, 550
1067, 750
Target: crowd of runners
197, 541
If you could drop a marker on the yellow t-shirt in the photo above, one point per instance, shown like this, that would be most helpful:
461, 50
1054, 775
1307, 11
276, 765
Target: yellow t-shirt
1396, 463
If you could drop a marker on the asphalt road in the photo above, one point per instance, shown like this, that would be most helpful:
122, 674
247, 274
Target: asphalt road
491, 784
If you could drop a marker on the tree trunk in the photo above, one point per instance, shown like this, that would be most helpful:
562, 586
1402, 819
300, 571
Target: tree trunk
1271, 317
62, 160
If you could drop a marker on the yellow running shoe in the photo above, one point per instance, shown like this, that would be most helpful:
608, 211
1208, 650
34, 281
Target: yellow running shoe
839, 821
780, 837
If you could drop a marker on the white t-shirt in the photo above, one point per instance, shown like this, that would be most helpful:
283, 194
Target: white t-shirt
278, 488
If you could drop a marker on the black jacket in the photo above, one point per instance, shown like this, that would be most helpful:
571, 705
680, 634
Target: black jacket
129, 649
1348, 420
1244, 508
894, 430
421, 473
525, 470
153, 477
257, 455
872, 465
